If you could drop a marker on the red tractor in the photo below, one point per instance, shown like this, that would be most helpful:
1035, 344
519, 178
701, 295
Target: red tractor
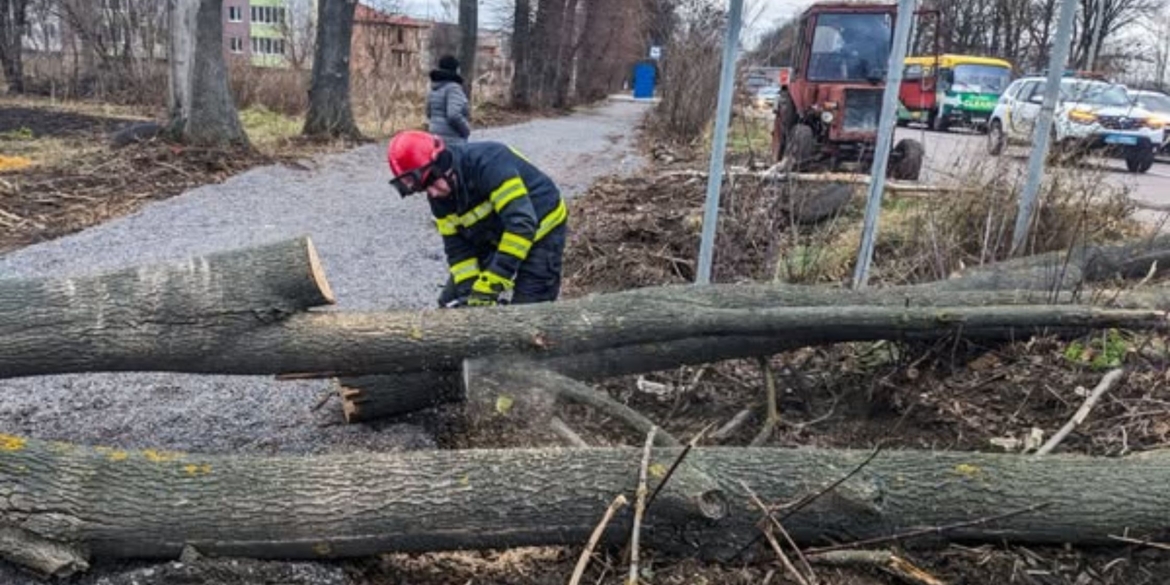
830, 99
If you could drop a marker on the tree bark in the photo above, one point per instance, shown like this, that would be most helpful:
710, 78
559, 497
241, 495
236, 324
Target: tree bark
468, 42
567, 56
330, 111
202, 110
13, 18
149, 338
546, 35
521, 45
101, 503
242, 312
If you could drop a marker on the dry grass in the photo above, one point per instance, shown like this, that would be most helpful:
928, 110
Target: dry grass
929, 238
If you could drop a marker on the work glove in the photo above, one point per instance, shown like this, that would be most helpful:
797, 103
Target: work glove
478, 299
486, 290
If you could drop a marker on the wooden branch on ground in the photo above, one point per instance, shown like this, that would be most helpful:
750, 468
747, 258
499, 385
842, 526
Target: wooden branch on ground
640, 508
884, 560
1107, 382
583, 561
106, 504
484, 381
567, 434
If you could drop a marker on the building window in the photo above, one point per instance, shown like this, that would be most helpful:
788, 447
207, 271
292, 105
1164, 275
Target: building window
267, 46
401, 35
235, 14
268, 15
237, 45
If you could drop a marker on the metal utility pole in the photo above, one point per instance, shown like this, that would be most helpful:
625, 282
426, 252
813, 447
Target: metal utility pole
722, 120
1098, 30
881, 158
1043, 130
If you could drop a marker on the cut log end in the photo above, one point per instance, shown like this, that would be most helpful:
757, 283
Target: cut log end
317, 273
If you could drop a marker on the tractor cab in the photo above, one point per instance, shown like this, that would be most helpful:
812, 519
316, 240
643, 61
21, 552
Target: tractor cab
831, 97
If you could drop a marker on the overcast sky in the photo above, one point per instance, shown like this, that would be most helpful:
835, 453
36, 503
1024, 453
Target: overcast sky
759, 14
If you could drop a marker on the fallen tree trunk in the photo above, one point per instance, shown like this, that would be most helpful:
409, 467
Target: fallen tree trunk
376, 396
135, 318
122, 337
103, 503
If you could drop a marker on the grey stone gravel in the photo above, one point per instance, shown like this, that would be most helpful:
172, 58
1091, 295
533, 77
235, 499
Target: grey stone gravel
378, 252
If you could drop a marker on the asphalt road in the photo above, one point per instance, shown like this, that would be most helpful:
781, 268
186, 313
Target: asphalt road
952, 156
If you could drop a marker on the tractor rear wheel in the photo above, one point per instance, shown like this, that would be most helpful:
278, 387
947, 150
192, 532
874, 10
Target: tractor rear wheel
909, 154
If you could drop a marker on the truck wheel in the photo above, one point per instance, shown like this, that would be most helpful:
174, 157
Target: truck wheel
939, 122
799, 146
1139, 160
996, 139
909, 153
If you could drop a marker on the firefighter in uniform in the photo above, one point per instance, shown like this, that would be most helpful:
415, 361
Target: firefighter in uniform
502, 220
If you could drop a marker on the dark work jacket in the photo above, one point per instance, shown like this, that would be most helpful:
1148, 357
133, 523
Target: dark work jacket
500, 206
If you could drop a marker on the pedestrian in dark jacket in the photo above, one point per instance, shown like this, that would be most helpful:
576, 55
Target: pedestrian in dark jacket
501, 218
448, 113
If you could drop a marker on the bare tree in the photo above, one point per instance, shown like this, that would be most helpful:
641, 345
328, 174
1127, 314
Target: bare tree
775, 46
546, 34
468, 41
298, 31
613, 38
521, 45
330, 112
202, 110
1116, 16
566, 54
13, 19
1159, 28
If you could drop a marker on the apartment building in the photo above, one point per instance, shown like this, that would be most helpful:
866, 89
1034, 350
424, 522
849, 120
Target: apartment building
268, 33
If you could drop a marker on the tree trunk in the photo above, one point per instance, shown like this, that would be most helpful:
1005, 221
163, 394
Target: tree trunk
237, 313
196, 336
468, 42
568, 56
521, 45
65, 500
13, 18
547, 39
201, 106
330, 111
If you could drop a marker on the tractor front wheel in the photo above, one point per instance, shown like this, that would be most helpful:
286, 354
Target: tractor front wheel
908, 155
799, 146
782, 126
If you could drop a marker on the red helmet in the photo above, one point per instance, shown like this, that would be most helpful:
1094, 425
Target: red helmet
412, 156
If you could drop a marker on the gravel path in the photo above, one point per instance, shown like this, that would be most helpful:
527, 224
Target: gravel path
378, 250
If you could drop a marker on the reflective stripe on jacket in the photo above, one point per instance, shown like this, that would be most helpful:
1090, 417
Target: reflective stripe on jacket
500, 207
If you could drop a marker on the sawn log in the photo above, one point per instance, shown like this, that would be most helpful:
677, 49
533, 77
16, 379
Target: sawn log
75, 504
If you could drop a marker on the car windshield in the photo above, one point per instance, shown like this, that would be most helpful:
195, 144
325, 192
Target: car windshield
850, 47
1096, 94
981, 78
1154, 102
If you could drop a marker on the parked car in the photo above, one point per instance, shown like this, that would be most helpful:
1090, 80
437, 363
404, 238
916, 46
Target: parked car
1091, 116
766, 97
1157, 103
